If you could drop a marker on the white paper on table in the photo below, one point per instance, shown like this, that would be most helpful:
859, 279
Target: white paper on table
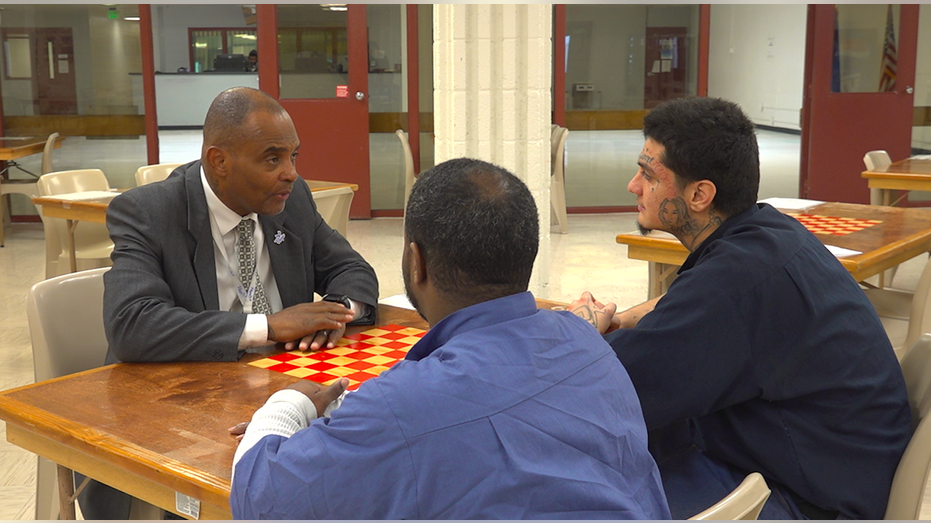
88, 195
791, 204
398, 300
921, 157
840, 252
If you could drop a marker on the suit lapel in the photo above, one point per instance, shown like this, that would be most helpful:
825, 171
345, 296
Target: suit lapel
286, 253
199, 226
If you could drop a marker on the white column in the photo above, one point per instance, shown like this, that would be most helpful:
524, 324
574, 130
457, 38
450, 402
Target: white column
492, 70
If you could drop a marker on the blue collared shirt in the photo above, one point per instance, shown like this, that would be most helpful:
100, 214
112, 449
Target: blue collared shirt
500, 411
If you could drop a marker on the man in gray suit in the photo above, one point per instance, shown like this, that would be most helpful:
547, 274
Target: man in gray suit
175, 292
195, 278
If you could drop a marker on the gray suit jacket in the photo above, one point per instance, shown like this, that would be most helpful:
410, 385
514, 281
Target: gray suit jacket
160, 297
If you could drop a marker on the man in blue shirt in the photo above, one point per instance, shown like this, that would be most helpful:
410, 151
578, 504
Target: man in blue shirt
764, 355
501, 410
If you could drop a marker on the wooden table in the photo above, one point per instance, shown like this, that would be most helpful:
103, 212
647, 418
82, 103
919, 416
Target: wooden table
903, 234
909, 174
95, 209
15, 147
154, 429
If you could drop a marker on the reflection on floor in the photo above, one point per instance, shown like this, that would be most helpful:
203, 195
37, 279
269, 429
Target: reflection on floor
585, 259
598, 164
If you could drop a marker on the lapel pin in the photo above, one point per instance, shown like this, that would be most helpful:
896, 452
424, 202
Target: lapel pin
279, 238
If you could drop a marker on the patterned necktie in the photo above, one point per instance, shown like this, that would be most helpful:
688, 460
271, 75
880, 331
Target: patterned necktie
247, 267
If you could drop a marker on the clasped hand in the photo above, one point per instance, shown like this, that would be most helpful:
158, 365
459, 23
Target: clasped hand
600, 315
311, 326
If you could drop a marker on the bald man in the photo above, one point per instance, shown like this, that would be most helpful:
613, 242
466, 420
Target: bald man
227, 252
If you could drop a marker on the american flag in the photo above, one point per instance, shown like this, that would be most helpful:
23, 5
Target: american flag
888, 67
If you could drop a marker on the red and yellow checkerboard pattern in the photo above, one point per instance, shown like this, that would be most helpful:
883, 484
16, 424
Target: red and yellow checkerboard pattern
359, 357
833, 225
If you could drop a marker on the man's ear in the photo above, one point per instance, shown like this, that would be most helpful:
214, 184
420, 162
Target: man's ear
700, 195
418, 268
217, 161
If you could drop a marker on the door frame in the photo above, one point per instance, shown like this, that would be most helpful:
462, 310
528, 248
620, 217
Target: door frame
834, 125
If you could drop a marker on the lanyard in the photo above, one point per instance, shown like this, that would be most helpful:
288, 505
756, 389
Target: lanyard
246, 296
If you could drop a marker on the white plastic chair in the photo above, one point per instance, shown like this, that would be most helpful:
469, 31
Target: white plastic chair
154, 173
409, 175
911, 476
916, 369
333, 206
65, 316
744, 502
558, 214
26, 187
896, 306
92, 242
877, 161
47, 153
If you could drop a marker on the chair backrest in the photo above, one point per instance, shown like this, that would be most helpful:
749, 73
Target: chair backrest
81, 180
916, 368
65, 316
47, 153
919, 317
333, 206
409, 175
56, 230
744, 502
558, 150
154, 173
876, 160
911, 476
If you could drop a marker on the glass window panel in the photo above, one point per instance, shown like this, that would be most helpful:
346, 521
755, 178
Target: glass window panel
312, 51
93, 79
18, 52
387, 54
862, 51
187, 39
621, 60
240, 41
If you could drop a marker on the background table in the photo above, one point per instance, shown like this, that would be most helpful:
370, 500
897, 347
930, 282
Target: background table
903, 234
909, 174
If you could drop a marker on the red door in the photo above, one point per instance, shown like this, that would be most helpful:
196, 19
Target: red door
838, 128
314, 59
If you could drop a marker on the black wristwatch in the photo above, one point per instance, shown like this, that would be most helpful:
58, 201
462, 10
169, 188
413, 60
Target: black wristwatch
339, 298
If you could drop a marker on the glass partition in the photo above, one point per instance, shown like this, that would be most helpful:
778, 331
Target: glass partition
621, 61
73, 69
312, 50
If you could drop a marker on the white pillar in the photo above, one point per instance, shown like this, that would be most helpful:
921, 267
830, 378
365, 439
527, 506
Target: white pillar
492, 70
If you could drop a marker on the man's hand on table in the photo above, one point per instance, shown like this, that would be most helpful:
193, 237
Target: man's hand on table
599, 315
321, 396
311, 326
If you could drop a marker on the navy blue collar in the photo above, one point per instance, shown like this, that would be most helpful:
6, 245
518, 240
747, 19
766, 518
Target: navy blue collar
722, 229
473, 317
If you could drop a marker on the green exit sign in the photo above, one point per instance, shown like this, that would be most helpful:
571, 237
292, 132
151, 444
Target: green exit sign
112, 14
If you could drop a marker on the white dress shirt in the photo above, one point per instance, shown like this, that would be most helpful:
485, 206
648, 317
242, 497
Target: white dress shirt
223, 224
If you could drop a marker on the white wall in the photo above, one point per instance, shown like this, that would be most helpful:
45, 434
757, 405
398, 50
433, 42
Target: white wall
757, 59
